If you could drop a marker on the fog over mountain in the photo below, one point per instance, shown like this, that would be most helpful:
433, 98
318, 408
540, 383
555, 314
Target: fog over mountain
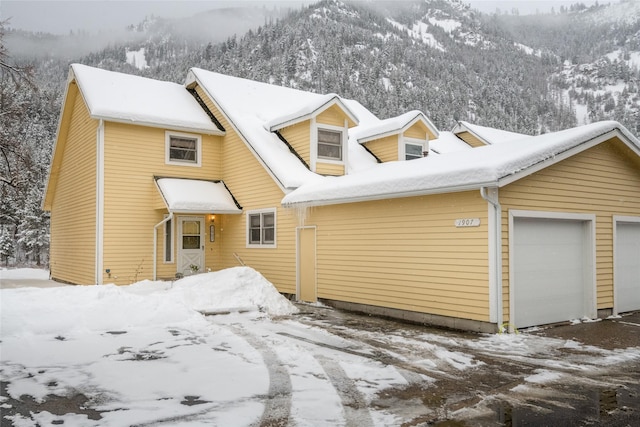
524, 73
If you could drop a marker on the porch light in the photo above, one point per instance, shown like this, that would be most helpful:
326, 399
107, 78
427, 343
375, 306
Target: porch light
212, 218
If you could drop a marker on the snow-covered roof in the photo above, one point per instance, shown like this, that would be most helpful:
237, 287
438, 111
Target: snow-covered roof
196, 196
487, 134
248, 105
447, 142
391, 126
307, 111
138, 100
492, 165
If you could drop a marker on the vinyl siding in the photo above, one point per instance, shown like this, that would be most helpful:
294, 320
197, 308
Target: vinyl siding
298, 136
254, 189
406, 254
332, 116
329, 168
470, 139
73, 208
133, 156
603, 180
418, 131
386, 149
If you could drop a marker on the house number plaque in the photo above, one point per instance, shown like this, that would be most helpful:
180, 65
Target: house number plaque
468, 222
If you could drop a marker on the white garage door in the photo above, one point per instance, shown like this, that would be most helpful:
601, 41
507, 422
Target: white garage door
627, 273
551, 278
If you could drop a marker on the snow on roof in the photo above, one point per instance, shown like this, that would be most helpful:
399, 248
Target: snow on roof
138, 100
390, 126
456, 171
487, 134
249, 105
447, 142
306, 111
195, 196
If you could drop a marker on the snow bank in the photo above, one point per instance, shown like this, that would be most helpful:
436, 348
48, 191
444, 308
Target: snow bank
230, 290
113, 308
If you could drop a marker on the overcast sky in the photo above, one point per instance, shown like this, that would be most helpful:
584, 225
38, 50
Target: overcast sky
59, 17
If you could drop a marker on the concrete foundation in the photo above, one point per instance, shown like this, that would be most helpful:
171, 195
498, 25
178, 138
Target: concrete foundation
416, 317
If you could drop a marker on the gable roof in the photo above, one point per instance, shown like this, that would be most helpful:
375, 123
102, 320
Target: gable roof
309, 110
393, 126
488, 166
486, 134
132, 99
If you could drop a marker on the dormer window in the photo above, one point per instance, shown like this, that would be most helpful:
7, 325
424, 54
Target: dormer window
413, 151
329, 144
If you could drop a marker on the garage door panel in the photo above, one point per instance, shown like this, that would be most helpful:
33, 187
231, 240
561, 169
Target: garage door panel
627, 271
550, 261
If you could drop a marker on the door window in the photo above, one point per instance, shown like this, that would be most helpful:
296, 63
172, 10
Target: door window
190, 234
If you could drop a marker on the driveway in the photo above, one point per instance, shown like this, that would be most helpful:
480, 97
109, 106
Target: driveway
579, 374
329, 367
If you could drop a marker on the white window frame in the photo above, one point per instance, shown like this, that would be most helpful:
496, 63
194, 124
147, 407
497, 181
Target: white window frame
341, 144
314, 144
164, 240
411, 141
197, 138
261, 212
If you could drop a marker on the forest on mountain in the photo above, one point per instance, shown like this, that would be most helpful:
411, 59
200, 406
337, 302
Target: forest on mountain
530, 74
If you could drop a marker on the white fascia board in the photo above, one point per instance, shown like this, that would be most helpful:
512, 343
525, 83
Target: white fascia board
400, 129
389, 196
217, 132
330, 103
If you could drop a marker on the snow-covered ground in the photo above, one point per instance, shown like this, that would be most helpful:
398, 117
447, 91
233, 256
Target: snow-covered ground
145, 354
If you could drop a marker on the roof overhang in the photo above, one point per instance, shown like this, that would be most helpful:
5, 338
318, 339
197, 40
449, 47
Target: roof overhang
127, 118
193, 196
382, 131
389, 196
310, 111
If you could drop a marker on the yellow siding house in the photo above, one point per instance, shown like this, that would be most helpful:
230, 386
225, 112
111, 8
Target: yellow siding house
475, 229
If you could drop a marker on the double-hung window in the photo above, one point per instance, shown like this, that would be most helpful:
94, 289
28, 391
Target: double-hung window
183, 149
330, 144
261, 228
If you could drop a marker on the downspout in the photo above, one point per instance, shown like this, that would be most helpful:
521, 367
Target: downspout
99, 261
491, 196
155, 243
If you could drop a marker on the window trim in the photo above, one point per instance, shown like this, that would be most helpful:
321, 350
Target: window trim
261, 212
341, 144
167, 150
411, 141
171, 223
315, 128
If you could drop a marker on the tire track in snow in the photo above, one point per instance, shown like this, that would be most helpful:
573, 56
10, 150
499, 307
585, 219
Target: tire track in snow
355, 406
277, 407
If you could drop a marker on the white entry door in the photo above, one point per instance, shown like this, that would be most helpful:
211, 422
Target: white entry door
627, 267
190, 245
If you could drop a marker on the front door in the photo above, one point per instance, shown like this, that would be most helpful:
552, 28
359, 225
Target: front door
190, 245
